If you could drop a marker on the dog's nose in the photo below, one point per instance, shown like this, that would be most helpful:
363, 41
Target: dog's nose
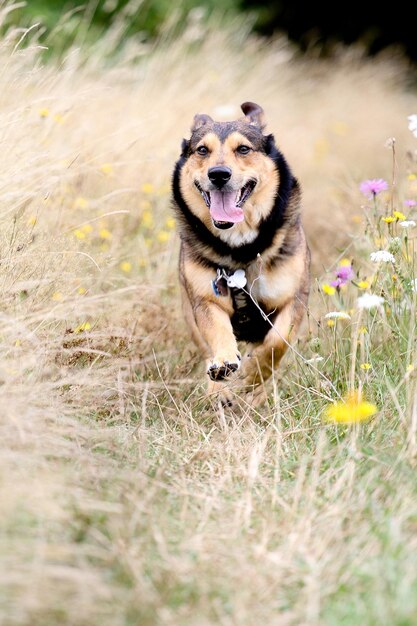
219, 175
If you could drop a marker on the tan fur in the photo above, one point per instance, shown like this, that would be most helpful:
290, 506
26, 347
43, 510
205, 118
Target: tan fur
277, 283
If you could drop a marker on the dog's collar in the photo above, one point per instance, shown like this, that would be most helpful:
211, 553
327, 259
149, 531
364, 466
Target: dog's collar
226, 279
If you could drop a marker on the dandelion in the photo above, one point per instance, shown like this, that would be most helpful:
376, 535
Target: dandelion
399, 216
81, 291
147, 219
87, 228
337, 315
411, 177
44, 112
81, 203
412, 124
32, 219
369, 301
126, 267
382, 256
373, 186
328, 290
82, 327
363, 284
163, 236
351, 410
407, 224
389, 219
147, 188
104, 233
365, 366
79, 234
106, 168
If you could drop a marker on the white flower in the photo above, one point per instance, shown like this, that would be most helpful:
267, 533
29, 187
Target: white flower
382, 256
238, 279
414, 285
369, 301
412, 124
407, 224
315, 359
337, 315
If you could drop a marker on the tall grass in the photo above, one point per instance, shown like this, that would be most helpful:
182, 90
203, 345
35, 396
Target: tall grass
128, 498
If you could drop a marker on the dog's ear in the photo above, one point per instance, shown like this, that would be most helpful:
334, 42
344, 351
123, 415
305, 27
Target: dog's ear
201, 119
185, 147
254, 114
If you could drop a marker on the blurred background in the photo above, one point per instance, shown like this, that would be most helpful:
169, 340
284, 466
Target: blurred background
319, 26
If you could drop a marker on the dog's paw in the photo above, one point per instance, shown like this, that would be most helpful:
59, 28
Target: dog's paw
220, 369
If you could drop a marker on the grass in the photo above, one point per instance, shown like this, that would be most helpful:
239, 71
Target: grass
127, 497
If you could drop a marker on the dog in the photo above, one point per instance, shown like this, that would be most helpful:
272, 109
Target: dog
244, 262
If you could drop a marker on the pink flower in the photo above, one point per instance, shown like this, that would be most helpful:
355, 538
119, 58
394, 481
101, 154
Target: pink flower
373, 186
344, 273
410, 203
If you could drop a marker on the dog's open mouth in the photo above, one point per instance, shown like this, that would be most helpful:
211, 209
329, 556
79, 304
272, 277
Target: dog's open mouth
226, 206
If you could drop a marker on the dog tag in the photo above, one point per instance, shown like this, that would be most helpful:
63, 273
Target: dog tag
238, 279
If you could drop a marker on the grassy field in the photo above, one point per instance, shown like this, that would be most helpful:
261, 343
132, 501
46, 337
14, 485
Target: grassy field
127, 497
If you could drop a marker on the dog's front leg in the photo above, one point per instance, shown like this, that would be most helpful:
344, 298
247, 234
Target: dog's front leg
216, 329
264, 358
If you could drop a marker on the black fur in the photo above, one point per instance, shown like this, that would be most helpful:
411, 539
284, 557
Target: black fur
244, 254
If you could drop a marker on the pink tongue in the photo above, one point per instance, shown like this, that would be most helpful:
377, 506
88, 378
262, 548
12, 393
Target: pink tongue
223, 207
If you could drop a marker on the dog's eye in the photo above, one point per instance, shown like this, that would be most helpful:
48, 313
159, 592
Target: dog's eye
243, 149
202, 150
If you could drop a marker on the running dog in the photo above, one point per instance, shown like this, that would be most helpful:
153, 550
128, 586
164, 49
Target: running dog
244, 261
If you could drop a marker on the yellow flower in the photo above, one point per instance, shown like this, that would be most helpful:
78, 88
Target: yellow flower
399, 215
363, 330
79, 233
394, 278
170, 223
328, 289
163, 236
410, 367
362, 284
18, 343
106, 168
345, 263
87, 228
32, 219
57, 296
82, 327
105, 234
147, 219
389, 219
58, 118
126, 266
366, 366
412, 177
44, 112
340, 128
351, 410
81, 291
80, 203
357, 219
147, 188
331, 323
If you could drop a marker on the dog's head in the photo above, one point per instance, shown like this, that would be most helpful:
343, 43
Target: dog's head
227, 165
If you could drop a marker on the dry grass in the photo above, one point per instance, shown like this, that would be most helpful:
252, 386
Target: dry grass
126, 499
